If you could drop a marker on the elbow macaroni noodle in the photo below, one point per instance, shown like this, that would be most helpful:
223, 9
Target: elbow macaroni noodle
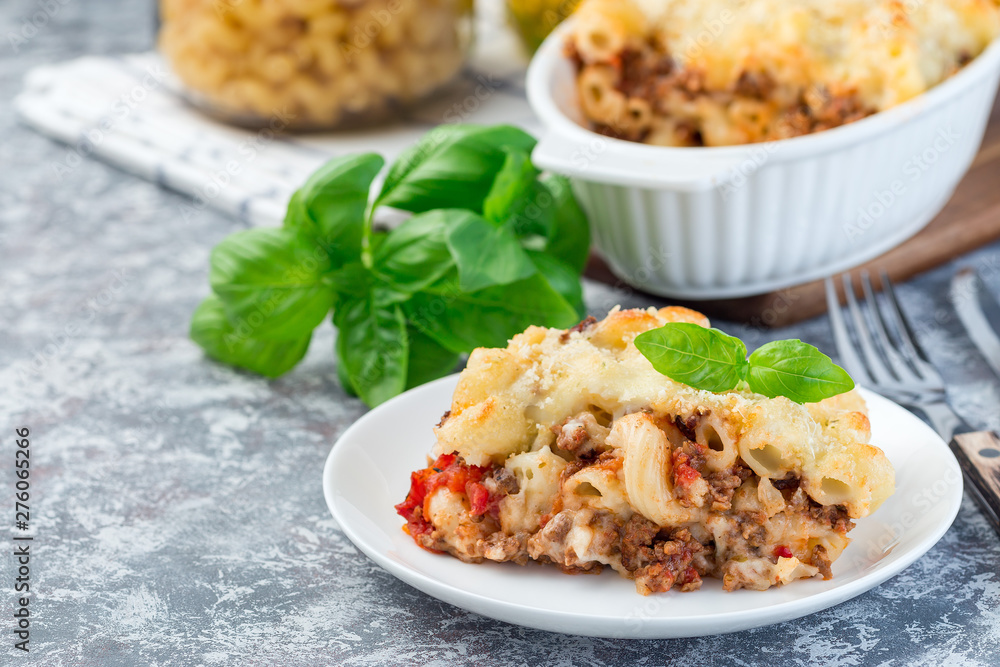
723, 72
604, 461
314, 63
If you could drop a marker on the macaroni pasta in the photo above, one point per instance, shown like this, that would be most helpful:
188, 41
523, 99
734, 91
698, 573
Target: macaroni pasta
569, 447
312, 63
722, 72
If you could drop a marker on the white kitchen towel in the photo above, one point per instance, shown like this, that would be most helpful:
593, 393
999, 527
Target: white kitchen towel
126, 111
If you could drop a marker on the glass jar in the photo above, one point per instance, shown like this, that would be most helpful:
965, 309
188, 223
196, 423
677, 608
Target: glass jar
312, 64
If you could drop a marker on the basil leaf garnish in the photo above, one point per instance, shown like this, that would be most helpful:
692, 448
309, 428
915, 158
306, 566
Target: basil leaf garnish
714, 361
693, 355
796, 370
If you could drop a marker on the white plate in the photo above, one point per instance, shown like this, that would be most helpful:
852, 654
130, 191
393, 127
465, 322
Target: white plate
368, 472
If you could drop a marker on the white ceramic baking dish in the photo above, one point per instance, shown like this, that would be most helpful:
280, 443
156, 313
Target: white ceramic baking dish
714, 222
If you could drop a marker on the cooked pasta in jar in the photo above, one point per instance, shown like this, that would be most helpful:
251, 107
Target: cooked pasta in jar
310, 64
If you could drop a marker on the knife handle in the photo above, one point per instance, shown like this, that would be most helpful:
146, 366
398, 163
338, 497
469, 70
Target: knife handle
978, 454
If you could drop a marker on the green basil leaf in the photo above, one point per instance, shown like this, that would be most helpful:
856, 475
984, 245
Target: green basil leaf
345, 380
331, 206
562, 278
550, 212
272, 280
797, 371
485, 254
234, 345
297, 217
511, 185
451, 168
529, 221
431, 142
462, 322
372, 347
429, 360
569, 237
698, 357
416, 253
351, 279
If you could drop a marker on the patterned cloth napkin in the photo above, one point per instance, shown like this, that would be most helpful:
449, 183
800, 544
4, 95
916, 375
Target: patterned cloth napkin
127, 111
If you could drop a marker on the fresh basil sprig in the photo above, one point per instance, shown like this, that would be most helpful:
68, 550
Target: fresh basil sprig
492, 247
714, 361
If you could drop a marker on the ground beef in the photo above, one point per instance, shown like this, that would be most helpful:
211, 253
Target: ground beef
751, 528
607, 534
789, 487
503, 548
651, 74
577, 556
637, 533
756, 85
557, 529
821, 111
643, 73
687, 426
693, 454
829, 111
688, 469
580, 327
505, 481
821, 560
723, 484
444, 418
659, 564
688, 463
571, 435
688, 134
791, 483
571, 469
573, 54
835, 516
582, 435
686, 478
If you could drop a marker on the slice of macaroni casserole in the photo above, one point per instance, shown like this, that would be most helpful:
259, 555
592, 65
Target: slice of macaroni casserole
723, 72
568, 447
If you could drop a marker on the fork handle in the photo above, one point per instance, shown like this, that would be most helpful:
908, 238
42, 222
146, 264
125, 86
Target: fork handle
978, 454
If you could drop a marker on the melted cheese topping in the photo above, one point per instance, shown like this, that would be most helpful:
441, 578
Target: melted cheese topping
508, 400
882, 51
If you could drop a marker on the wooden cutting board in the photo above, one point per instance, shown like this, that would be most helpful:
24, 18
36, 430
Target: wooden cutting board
970, 220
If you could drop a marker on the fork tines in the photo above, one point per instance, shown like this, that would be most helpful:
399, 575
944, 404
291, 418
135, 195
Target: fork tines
876, 342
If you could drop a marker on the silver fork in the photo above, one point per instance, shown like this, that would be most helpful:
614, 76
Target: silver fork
885, 356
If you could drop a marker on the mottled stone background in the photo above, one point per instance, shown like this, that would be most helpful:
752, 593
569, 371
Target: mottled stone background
178, 505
